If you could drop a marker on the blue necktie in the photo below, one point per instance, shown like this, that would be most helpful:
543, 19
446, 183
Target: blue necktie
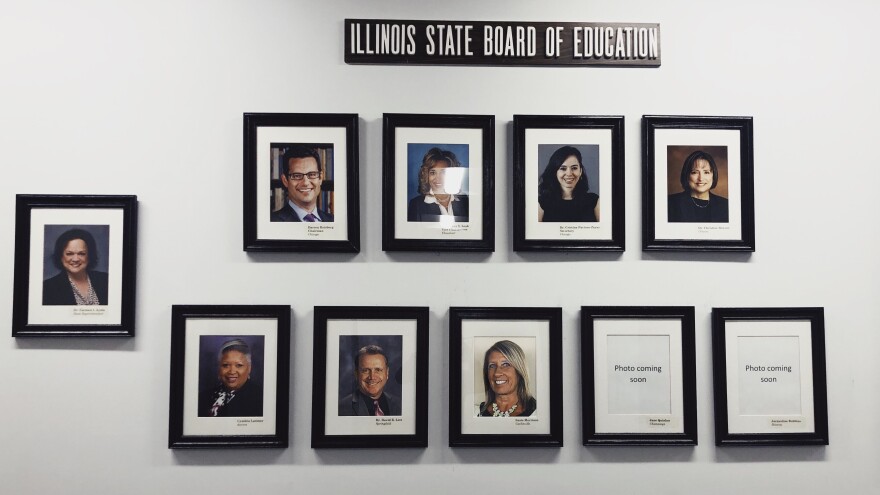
310, 218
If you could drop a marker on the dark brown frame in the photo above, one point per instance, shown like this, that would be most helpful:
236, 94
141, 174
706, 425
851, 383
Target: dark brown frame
614, 124
24, 205
688, 365
320, 437
393, 121
650, 123
179, 316
553, 318
253, 184
816, 317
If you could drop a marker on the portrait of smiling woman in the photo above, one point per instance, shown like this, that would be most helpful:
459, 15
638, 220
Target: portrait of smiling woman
696, 203
507, 382
79, 283
440, 181
564, 189
235, 392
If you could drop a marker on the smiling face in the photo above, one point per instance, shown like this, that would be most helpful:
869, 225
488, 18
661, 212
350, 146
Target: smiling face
700, 178
437, 177
304, 192
75, 257
502, 376
234, 369
568, 174
372, 373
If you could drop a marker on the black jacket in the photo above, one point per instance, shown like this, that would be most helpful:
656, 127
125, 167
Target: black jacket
57, 291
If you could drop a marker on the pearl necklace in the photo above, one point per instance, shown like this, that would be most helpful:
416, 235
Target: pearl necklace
502, 414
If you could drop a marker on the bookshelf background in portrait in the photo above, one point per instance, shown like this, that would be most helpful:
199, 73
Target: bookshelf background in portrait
278, 194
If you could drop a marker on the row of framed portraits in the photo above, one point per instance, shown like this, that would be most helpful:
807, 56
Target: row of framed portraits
301, 183
230, 370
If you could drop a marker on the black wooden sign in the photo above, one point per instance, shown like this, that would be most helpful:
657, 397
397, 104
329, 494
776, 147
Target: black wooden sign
387, 41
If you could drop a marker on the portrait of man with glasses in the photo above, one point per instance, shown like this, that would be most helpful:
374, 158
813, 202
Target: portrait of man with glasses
302, 175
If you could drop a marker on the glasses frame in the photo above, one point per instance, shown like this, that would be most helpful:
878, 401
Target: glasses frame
318, 175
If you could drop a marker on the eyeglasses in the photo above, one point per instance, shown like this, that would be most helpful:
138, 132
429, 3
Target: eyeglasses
299, 176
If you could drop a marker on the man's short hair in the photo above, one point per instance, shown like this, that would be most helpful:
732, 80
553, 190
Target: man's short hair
298, 151
371, 349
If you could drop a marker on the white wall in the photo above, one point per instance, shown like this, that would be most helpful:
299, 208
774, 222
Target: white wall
147, 98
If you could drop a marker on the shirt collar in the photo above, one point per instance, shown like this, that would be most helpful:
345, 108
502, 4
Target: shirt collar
301, 213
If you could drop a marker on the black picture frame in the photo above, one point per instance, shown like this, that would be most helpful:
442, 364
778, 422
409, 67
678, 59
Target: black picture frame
402, 335
273, 226
199, 333
537, 337
718, 224
626, 426
803, 330
410, 225
600, 141
44, 304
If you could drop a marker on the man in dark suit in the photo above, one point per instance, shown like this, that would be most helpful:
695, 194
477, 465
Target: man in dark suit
301, 175
371, 375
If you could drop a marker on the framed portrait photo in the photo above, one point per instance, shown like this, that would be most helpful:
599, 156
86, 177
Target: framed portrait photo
638, 367
568, 179
370, 377
438, 182
230, 372
505, 377
75, 265
301, 182
769, 369
698, 185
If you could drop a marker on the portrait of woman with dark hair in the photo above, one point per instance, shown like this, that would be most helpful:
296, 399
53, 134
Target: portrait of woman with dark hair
507, 382
440, 199
76, 255
699, 175
564, 191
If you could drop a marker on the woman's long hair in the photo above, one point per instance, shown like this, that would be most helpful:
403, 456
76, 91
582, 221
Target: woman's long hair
433, 156
549, 188
516, 357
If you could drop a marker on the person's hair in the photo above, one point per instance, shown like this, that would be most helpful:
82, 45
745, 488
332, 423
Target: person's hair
433, 156
298, 151
371, 349
549, 188
689, 165
70, 235
235, 345
517, 358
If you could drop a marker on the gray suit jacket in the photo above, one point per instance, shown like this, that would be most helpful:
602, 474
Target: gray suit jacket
286, 214
356, 404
